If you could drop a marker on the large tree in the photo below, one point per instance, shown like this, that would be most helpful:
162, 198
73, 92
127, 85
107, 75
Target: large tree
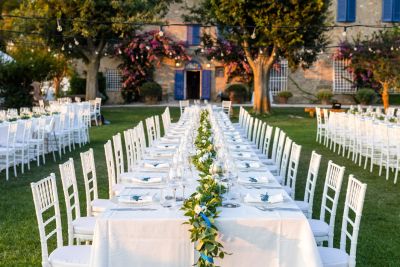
87, 29
267, 30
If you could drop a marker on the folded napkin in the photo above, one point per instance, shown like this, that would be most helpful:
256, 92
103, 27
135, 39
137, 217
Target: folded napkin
249, 165
135, 199
146, 180
167, 147
252, 179
243, 155
156, 165
271, 199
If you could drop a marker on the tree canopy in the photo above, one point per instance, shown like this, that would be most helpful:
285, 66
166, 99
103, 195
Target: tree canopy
267, 30
87, 29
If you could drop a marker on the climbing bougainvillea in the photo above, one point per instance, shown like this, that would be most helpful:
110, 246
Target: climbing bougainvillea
141, 54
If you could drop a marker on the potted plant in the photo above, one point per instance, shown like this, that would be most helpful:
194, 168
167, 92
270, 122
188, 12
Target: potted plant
237, 93
283, 96
324, 95
151, 92
365, 96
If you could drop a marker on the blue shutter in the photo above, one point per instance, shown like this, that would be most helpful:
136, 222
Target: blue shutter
196, 35
193, 35
346, 10
387, 10
206, 85
396, 11
351, 10
341, 11
189, 35
179, 80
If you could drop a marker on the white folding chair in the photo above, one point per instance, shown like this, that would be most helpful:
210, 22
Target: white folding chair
282, 168
7, 149
183, 104
129, 150
47, 208
110, 163
94, 205
321, 127
226, 107
353, 205
118, 155
22, 143
257, 122
306, 205
79, 228
333, 182
290, 181
151, 131
260, 134
267, 141
157, 126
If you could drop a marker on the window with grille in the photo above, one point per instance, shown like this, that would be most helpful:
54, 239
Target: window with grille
113, 80
342, 79
278, 78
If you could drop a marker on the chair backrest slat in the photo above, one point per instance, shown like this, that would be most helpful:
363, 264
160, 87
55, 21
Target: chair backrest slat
354, 202
44, 197
333, 182
112, 178
90, 179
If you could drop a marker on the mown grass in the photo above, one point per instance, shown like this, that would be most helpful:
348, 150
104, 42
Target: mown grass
378, 240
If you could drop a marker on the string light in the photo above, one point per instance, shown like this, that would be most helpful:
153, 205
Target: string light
344, 33
253, 35
208, 65
76, 41
119, 51
69, 45
62, 48
96, 52
49, 49
202, 50
59, 28
161, 33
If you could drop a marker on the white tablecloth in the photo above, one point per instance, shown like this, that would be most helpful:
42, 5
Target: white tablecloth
159, 237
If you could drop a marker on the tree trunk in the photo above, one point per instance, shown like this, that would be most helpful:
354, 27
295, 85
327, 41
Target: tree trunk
56, 85
385, 95
92, 68
266, 101
262, 103
258, 88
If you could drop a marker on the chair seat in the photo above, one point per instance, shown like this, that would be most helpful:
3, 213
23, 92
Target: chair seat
304, 206
288, 190
319, 228
84, 225
70, 256
278, 178
118, 188
333, 257
4, 150
100, 205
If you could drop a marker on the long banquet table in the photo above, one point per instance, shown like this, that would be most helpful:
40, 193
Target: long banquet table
156, 236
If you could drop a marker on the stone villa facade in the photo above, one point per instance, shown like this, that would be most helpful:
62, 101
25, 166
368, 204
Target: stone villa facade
201, 78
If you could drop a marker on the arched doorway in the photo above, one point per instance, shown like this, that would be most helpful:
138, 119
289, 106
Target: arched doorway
193, 80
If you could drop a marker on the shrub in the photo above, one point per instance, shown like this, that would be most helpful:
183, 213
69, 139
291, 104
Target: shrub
365, 96
151, 89
285, 94
324, 94
238, 89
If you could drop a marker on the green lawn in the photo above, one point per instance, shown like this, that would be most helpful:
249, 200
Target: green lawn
378, 239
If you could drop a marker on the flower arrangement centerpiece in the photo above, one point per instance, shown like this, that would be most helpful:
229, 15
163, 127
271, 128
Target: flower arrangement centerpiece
201, 207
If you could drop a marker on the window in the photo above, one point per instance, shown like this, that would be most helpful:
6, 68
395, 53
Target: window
346, 11
113, 80
342, 79
193, 35
278, 78
391, 11
219, 72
